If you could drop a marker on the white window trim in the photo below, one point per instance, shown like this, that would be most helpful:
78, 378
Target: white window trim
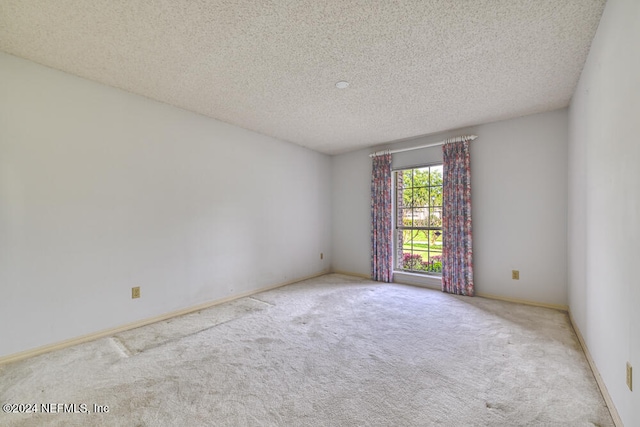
417, 279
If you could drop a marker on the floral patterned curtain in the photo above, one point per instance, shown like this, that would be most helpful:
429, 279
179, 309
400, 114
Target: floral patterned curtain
381, 219
457, 268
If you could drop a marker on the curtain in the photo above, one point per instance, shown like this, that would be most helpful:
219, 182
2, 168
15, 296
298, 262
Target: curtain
457, 268
381, 219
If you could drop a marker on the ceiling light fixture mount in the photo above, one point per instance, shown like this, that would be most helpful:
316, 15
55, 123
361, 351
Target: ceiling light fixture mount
342, 84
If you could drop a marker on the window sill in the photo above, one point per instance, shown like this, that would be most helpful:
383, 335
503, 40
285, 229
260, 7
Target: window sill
415, 279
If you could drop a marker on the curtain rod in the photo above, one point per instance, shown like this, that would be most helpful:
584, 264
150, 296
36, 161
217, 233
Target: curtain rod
400, 150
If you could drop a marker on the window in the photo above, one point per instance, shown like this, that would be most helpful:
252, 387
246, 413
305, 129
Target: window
418, 217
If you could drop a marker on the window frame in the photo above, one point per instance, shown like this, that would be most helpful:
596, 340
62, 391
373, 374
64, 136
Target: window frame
399, 251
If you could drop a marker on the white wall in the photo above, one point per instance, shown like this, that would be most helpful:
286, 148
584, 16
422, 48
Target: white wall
351, 213
519, 196
604, 207
102, 190
519, 208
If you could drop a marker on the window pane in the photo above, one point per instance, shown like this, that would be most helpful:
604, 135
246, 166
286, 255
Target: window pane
435, 196
435, 264
435, 177
421, 196
435, 241
407, 178
421, 177
411, 261
407, 197
420, 241
420, 217
435, 217
422, 256
407, 237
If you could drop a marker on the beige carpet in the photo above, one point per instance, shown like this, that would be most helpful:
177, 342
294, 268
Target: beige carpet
332, 351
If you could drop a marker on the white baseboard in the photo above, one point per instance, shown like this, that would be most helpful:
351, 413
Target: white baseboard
524, 301
431, 282
107, 332
603, 388
347, 273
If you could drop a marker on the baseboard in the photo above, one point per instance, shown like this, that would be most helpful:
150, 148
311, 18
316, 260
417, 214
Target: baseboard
524, 301
603, 388
438, 286
107, 332
347, 273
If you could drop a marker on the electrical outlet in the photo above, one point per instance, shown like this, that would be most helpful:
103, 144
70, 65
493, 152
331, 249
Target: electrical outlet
515, 274
135, 292
629, 376
321, 255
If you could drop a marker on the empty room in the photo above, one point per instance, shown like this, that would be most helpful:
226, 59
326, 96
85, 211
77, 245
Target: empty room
319, 213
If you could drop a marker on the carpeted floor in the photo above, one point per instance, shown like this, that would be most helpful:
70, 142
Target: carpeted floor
331, 351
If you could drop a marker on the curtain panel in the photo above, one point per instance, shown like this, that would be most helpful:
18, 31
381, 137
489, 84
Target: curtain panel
381, 219
457, 255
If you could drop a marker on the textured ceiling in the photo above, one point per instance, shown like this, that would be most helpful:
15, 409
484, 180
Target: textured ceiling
415, 67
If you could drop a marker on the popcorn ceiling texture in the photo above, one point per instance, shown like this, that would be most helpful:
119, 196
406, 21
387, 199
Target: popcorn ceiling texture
414, 67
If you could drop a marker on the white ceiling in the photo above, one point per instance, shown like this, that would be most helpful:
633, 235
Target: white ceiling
415, 67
